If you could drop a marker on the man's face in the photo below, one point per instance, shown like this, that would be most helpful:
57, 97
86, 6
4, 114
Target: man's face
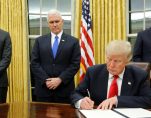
116, 63
55, 23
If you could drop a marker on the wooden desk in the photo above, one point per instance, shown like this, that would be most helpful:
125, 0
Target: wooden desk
38, 110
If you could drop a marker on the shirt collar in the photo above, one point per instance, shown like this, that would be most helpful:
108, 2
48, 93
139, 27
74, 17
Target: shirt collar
120, 75
59, 35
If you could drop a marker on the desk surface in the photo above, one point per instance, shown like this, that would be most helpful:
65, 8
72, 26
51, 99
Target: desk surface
38, 110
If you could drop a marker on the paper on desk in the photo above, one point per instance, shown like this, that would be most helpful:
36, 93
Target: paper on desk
135, 112
97, 113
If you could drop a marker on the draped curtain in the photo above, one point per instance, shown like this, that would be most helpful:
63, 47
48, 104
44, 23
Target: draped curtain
13, 18
108, 23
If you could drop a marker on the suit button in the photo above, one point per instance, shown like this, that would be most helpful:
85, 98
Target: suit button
53, 64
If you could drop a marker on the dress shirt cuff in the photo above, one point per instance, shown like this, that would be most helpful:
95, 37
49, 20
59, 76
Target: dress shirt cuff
78, 103
116, 102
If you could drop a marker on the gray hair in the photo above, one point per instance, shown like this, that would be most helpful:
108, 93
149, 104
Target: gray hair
120, 47
53, 12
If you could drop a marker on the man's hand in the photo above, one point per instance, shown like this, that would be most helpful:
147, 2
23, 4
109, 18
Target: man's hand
108, 103
87, 103
53, 83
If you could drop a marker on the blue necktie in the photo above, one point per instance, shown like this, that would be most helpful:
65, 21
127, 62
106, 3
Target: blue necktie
55, 46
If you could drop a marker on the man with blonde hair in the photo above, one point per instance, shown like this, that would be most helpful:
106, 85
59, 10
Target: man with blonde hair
114, 84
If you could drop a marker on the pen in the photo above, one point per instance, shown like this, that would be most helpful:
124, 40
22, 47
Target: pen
92, 102
88, 93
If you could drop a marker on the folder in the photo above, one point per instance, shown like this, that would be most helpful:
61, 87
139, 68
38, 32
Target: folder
117, 113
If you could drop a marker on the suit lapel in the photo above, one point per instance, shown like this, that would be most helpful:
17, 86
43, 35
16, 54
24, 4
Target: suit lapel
61, 44
103, 83
127, 82
48, 44
105, 78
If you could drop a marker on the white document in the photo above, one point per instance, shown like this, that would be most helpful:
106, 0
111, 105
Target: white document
98, 113
134, 112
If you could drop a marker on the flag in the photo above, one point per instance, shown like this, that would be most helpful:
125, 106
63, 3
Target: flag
86, 43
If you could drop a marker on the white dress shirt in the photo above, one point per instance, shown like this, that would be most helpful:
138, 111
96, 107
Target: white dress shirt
53, 37
119, 82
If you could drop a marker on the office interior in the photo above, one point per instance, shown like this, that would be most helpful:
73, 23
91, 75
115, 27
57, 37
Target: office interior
26, 20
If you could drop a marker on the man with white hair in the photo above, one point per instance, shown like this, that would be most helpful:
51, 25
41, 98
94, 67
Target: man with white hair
114, 84
55, 60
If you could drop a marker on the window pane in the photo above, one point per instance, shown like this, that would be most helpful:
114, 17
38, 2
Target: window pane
136, 22
67, 26
45, 28
34, 24
148, 4
31, 44
64, 6
132, 40
136, 5
148, 19
34, 6
47, 5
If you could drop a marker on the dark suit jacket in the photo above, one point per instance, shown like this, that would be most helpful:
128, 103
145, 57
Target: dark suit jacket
135, 91
65, 65
142, 47
5, 57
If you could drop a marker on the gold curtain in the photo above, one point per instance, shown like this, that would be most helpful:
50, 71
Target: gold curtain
13, 18
19, 112
108, 23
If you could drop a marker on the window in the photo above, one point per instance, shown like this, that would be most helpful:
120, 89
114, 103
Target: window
37, 14
139, 18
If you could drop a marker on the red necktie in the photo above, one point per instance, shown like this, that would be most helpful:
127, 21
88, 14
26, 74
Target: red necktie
114, 87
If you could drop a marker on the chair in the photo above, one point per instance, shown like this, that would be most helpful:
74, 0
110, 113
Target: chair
145, 66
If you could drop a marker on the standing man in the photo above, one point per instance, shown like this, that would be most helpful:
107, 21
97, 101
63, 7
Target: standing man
142, 47
55, 60
5, 58
114, 84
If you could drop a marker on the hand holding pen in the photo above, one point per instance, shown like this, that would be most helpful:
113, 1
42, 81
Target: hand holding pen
86, 102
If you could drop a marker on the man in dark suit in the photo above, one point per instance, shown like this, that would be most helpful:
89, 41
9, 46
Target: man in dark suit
142, 47
54, 67
5, 58
128, 89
